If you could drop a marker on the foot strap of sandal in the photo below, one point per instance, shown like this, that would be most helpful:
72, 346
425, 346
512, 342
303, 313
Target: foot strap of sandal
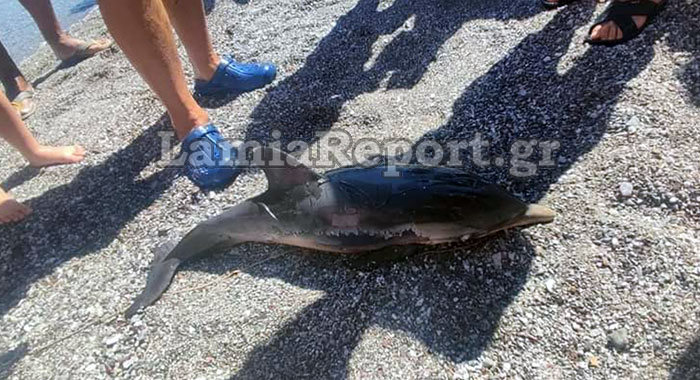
621, 12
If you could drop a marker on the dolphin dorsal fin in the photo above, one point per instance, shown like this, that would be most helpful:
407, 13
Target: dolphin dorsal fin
282, 170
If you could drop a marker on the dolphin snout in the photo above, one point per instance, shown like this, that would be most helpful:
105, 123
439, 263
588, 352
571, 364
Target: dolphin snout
538, 214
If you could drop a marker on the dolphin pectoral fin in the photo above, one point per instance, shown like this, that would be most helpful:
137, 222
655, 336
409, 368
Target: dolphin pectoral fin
158, 281
202, 240
160, 253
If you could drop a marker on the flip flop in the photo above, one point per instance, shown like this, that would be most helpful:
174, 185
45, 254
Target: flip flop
621, 12
24, 104
87, 50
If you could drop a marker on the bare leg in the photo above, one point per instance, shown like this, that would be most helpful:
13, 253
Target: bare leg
188, 19
62, 44
11, 210
14, 132
187, 16
142, 30
11, 77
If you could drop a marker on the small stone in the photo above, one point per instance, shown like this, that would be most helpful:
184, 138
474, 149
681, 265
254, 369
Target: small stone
488, 363
626, 189
614, 242
112, 340
593, 362
633, 124
549, 284
129, 362
522, 92
497, 259
673, 200
618, 339
506, 366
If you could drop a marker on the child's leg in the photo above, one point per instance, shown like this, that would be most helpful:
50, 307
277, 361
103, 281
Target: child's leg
13, 130
11, 77
11, 210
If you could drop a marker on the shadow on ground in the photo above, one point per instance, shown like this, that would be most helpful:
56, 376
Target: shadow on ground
81, 217
20, 177
525, 95
688, 366
533, 97
310, 100
678, 20
450, 300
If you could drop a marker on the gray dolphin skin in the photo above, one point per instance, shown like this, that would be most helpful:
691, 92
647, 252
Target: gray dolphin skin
350, 210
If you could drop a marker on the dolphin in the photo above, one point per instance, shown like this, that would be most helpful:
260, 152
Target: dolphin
349, 210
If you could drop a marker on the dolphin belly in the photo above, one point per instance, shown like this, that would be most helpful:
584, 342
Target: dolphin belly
357, 240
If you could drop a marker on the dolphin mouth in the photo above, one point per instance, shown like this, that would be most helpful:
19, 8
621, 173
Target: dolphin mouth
535, 214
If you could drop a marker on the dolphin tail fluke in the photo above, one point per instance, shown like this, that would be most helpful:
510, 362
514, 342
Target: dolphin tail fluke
203, 239
158, 281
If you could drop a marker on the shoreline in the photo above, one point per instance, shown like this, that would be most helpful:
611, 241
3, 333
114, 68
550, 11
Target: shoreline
24, 34
42, 60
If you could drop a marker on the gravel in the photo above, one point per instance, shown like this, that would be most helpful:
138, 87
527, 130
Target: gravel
537, 303
618, 339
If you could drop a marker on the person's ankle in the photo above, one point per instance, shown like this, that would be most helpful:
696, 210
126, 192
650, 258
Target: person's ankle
184, 125
206, 72
64, 46
35, 155
14, 86
23, 85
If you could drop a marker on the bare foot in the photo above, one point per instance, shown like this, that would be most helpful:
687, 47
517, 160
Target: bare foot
609, 31
58, 155
11, 210
69, 47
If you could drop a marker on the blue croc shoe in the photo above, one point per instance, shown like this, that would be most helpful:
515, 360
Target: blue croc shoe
233, 77
210, 160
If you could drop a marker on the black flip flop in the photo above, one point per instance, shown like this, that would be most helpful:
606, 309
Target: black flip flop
549, 4
621, 12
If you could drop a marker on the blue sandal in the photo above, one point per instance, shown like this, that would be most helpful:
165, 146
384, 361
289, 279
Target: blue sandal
210, 160
233, 77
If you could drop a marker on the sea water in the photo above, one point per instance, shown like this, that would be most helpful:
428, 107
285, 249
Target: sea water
21, 36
